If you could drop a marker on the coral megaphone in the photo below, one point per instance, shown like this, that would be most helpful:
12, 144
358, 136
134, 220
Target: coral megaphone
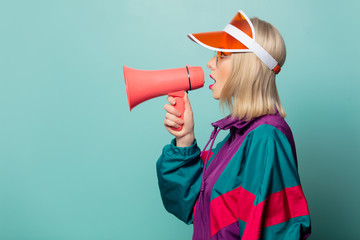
142, 85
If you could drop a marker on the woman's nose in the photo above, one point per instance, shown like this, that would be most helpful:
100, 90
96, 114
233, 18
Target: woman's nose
211, 64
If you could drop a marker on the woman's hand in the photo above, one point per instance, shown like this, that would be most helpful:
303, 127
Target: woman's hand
185, 137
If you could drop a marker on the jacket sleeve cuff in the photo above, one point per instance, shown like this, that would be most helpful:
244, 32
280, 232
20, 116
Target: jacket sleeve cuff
184, 151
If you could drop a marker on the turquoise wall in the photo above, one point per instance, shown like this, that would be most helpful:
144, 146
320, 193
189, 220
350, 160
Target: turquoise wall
76, 164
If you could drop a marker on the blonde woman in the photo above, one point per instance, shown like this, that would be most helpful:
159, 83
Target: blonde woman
247, 187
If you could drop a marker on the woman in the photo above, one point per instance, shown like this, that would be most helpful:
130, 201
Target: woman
248, 186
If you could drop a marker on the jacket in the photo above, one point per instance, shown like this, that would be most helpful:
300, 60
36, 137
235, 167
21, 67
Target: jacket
249, 188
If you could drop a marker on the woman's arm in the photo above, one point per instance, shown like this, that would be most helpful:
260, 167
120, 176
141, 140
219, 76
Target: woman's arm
179, 168
179, 172
280, 208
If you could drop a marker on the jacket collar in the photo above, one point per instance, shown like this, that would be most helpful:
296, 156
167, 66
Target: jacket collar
234, 124
231, 122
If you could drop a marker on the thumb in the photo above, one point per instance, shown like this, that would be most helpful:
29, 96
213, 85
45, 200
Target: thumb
187, 102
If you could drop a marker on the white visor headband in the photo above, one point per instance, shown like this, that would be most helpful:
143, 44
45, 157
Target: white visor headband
253, 46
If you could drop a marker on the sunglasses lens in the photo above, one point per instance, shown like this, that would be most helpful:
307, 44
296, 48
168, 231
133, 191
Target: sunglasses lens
219, 55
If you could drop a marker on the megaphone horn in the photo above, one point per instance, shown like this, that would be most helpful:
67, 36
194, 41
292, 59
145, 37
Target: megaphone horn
142, 85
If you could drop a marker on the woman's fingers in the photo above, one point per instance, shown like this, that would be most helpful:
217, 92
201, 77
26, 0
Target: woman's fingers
170, 124
173, 118
171, 100
172, 121
172, 110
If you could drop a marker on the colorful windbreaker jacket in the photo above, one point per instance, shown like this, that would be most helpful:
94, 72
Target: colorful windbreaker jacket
250, 188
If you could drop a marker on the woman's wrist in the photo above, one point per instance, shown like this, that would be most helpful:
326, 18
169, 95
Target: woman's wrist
185, 141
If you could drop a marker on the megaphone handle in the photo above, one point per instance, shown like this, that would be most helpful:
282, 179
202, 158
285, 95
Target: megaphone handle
179, 105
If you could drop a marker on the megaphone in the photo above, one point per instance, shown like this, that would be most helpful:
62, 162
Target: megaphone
142, 85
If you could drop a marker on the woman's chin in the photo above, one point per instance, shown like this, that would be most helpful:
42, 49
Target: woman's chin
215, 96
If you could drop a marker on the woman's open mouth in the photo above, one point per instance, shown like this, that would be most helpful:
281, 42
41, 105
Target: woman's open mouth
213, 83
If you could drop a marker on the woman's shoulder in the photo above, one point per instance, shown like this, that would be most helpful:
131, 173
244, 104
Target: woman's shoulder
266, 131
271, 127
264, 134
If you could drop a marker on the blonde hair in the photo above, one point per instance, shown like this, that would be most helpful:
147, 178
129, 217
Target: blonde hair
251, 91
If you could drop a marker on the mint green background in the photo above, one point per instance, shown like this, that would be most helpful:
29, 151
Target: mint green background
76, 164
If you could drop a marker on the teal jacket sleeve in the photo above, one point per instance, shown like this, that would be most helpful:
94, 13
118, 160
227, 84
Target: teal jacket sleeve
280, 210
179, 172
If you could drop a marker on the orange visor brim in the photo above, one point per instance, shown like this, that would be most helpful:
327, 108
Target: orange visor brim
218, 41
222, 41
